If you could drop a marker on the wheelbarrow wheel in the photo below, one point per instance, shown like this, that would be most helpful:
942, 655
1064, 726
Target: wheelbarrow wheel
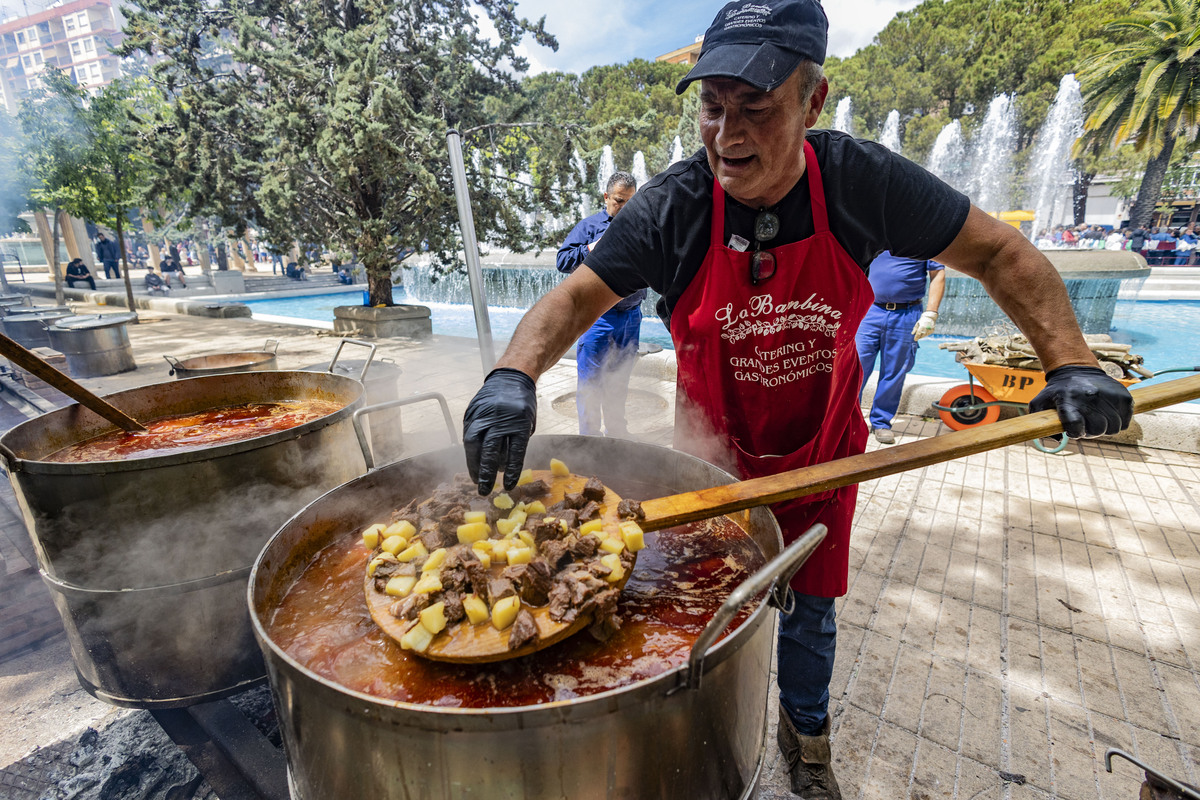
960, 416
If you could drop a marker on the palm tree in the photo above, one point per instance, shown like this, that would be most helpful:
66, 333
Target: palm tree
1145, 90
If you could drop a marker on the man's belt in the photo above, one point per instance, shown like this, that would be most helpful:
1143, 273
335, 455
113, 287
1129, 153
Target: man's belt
898, 306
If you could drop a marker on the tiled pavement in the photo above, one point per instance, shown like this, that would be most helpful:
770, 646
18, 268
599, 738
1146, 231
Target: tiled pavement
1011, 615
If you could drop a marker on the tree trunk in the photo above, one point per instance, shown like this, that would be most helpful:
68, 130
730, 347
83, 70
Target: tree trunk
125, 263
1079, 196
60, 297
1150, 191
379, 285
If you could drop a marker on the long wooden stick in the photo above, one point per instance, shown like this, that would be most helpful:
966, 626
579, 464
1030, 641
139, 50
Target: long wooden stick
665, 512
29, 362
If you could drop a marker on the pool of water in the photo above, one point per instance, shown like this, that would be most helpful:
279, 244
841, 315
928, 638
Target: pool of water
1165, 333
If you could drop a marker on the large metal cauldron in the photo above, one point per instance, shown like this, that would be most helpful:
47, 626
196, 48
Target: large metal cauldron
147, 558
220, 363
658, 738
94, 344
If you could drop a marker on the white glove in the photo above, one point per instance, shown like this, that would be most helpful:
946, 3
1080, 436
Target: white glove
924, 325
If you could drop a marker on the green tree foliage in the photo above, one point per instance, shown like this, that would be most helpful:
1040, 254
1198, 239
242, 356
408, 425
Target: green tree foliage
1146, 90
332, 129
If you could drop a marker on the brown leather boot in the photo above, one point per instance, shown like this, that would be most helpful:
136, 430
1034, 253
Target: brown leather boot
809, 760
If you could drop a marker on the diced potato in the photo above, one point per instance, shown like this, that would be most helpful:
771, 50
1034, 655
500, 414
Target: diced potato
635, 538
507, 526
417, 638
400, 586
520, 555
536, 507
473, 532
401, 528
527, 538
429, 583
500, 549
485, 558
370, 536
394, 544
477, 610
610, 545
591, 526
558, 469
435, 561
613, 562
475, 516
518, 516
505, 611
379, 559
503, 502
481, 544
434, 618
526, 477
413, 551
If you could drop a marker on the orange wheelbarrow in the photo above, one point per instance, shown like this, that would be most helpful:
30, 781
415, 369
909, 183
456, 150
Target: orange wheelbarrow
970, 404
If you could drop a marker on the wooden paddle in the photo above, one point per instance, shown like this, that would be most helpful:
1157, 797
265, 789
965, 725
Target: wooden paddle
666, 512
467, 643
30, 362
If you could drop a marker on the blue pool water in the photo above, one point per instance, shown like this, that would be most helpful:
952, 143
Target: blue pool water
1165, 333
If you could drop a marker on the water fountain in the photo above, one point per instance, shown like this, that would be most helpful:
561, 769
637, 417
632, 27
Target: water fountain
639, 169
585, 198
841, 116
676, 150
890, 138
1051, 168
607, 168
948, 159
992, 157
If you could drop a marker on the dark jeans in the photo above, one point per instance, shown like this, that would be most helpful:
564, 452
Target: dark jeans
112, 269
807, 642
605, 357
89, 279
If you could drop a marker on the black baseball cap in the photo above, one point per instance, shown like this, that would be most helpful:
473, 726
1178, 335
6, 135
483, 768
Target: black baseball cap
761, 42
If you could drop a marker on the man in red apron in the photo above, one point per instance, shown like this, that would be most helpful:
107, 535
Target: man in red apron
759, 244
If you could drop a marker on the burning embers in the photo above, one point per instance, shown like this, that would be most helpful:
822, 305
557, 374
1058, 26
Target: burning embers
458, 577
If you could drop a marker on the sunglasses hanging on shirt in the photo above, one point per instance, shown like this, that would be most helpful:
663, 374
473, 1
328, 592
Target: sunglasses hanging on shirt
762, 263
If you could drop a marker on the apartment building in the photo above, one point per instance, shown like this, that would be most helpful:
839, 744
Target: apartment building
76, 37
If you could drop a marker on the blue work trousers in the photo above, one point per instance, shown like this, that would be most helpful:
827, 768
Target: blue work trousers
888, 335
806, 646
605, 358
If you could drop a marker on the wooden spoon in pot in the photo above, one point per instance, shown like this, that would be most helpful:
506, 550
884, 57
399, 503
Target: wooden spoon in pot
30, 362
467, 643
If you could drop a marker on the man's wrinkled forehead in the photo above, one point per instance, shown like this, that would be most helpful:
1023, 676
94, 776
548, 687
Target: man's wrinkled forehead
712, 89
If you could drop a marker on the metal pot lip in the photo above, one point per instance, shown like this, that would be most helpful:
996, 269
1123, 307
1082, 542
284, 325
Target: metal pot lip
190, 456
251, 356
552, 711
86, 322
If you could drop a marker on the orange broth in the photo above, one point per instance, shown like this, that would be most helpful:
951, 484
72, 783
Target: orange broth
681, 578
194, 431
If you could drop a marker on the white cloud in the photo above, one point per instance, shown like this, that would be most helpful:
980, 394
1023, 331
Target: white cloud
854, 23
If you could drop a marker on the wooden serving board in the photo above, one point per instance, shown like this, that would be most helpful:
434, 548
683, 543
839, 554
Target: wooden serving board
465, 643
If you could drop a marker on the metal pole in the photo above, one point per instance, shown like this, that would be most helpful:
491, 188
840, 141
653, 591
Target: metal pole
483, 323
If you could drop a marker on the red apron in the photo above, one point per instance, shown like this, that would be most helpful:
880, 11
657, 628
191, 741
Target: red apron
769, 375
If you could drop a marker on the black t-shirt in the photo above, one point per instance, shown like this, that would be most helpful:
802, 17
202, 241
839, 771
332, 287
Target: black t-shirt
877, 201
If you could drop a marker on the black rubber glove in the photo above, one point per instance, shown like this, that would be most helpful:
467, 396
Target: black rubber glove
1089, 402
497, 426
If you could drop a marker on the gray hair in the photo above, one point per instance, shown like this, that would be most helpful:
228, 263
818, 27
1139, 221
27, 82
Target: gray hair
618, 179
811, 76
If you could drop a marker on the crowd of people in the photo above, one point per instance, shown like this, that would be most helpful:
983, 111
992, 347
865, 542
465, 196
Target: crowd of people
1160, 246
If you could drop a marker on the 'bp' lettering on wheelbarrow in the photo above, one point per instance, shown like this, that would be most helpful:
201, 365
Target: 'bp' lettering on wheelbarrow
1013, 381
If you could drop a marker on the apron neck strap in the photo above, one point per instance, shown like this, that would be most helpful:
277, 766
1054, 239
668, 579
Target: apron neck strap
816, 191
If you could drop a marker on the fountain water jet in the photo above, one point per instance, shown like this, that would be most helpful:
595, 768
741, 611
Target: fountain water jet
1051, 162
676, 151
607, 168
992, 156
948, 159
891, 132
585, 199
841, 117
639, 169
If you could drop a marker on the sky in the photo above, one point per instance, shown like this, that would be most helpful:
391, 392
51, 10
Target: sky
592, 33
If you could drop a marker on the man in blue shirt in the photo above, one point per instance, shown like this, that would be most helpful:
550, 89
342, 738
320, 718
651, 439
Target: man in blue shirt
108, 255
605, 354
892, 327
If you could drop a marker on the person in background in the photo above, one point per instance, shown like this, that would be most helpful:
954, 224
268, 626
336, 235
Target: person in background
154, 283
1185, 247
891, 328
758, 244
1116, 240
605, 355
295, 271
344, 275
108, 255
171, 268
78, 271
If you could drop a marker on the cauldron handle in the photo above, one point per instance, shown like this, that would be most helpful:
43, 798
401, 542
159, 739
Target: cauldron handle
404, 401
267, 348
174, 362
781, 569
366, 365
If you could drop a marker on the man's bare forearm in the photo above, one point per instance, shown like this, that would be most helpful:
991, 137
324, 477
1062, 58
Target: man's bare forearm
1024, 284
549, 329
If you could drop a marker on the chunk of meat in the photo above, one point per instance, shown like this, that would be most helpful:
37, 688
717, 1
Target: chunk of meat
544, 531
455, 579
454, 610
561, 609
554, 551
479, 577
630, 509
500, 588
593, 490
535, 582
524, 630
409, 607
569, 516
603, 608
583, 547
530, 491
590, 510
